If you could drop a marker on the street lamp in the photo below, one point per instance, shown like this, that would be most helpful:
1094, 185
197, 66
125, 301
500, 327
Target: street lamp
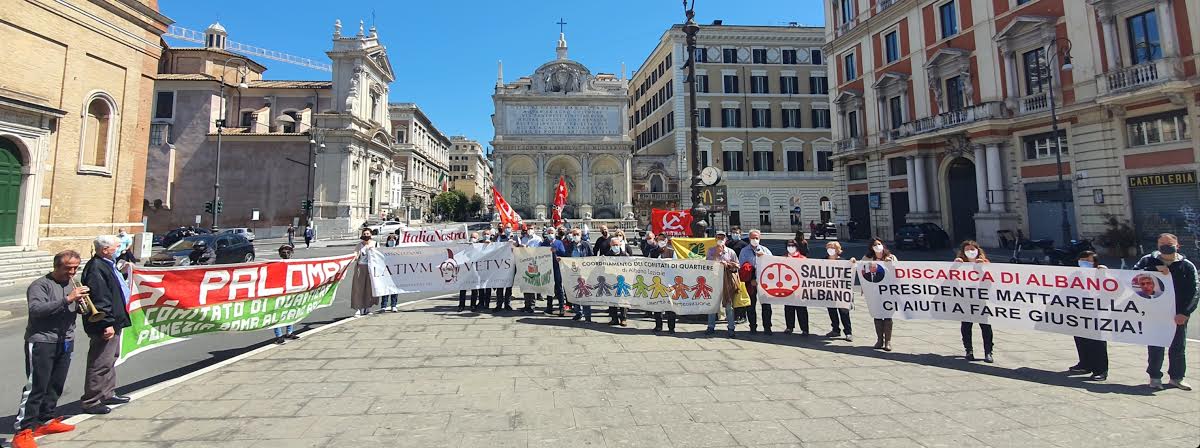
1063, 54
690, 29
242, 69
316, 139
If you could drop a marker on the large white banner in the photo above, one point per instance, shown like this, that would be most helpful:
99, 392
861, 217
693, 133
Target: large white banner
535, 270
434, 234
1136, 307
650, 284
806, 282
448, 267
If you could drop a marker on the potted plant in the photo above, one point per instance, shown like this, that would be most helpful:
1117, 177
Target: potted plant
1119, 238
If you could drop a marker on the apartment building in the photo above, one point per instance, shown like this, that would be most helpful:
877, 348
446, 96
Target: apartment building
470, 170
423, 152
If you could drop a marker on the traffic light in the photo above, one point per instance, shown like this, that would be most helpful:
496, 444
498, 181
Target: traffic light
208, 207
219, 206
306, 205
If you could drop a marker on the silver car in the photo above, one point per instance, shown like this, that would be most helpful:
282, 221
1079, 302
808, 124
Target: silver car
245, 232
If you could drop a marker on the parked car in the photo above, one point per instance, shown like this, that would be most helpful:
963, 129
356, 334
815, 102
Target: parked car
243, 231
229, 247
174, 235
383, 227
926, 235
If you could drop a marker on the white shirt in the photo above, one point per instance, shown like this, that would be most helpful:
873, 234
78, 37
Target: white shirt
364, 247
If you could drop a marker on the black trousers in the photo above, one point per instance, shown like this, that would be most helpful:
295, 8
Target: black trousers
618, 314
462, 297
792, 314
1154, 356
485, 297
1093, 354
530, 301
840, 314
503, 298
986, 329
558, 294
46, 365
752, 313
658, 320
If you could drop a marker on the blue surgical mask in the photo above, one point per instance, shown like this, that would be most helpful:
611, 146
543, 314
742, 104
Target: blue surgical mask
1086, 264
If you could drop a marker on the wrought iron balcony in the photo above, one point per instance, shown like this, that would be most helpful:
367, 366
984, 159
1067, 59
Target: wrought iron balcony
1131, 78
848, 145
952, 119
646, 196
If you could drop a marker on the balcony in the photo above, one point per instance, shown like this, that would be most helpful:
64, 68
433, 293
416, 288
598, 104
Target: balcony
777, 175
948, 120
646, 196
848, 145
887, 136
1126, 79
846, 26
884, 4
1037, 102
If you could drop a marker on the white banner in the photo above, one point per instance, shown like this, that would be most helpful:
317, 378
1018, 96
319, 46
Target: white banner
535, 270
650, 284
1136, 307
434, 234
448, 267
806, 282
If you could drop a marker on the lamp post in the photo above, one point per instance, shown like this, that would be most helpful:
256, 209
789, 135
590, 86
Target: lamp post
690, 30
242, 69
316, 138
1065, 55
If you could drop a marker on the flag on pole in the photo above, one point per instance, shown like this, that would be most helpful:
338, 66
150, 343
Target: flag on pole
508, 216
442, 183
560, 201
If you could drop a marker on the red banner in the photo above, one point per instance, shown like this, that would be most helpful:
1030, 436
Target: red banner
671, 222
508, 216
200, 286
560, 201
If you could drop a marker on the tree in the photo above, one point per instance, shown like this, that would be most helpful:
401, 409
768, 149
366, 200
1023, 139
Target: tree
475, 206
451, 204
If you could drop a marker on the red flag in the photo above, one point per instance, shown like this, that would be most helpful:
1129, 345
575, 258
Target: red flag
508, 216
560, 201
671, 222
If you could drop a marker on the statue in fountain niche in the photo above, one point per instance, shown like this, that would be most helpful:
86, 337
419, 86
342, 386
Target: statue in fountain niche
604, 192
520, 192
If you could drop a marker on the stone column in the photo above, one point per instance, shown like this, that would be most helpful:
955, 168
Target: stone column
628, 205
585, 186
995, 177
931, 185
1010, 73
1111, 42
981, 179
922, 185
540, 163
911, 178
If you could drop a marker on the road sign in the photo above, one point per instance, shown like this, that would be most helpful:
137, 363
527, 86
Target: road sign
715, 198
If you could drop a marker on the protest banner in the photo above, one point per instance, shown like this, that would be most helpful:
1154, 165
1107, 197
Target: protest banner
1136, 307
805, 282
446, 267
694, 248
434, 234
167, 305
671, 222
535, 270
650, 284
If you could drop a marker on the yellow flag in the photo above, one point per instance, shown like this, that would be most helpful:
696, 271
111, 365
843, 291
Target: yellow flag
692, 247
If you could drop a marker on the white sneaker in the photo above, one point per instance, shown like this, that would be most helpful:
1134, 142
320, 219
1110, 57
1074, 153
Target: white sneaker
1156, 384
849, 337
1180, 384
394, 309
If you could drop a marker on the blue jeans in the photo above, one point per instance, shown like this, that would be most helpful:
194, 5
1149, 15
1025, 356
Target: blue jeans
280, 331
1175, 354
712, 319
587, 311
388, 301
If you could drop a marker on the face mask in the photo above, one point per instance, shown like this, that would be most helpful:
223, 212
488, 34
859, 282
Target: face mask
550, 237
576, 238
615, 249
662, 243
721, 243
1086, 264
793, 249
365, 237
473, 239
754, 242
878, 248
831, 252
971, 253
1167, 249
736, 236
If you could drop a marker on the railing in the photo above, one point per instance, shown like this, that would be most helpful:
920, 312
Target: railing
884, 4
1034, 103
889, 135
1134, 77
160, 134
848, 145
846, 26
978, 112
646, 196
754, 175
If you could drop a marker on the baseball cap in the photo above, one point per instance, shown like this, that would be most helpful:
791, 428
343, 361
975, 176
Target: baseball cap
721, 233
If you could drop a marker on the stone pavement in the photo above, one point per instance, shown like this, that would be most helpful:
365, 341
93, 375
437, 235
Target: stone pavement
431, 377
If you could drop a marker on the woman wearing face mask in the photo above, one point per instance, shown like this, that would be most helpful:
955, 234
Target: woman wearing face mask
833, 251
876, 251
791, 314
662, 249
970, 252
389, 302
362, 297
576, 247
618, 314
1093, 354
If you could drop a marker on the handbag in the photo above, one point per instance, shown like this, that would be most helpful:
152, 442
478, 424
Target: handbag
742, 299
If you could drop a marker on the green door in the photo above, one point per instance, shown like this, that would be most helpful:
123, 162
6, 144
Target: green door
10, 191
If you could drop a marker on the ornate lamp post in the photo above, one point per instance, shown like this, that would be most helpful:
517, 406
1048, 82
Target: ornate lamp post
690, 29
242, 69
316, 139
1063, 54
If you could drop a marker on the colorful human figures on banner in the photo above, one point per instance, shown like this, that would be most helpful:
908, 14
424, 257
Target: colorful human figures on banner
622, 288
582, 289
679, 290
603, 289
701, 290
640, 288
659, 290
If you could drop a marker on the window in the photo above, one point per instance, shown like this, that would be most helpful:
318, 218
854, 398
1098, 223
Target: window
701, 83
795, 160
789, 85
98, 132
851, 70
764, 218
758, 84
1034, 62
1161, 128
733, 161
820, 118
823, 162
857, 171
852, 123
731, 117
287, 127
729, 55
818, 85
789, 56
160, 133
1042, 146
954, 94
891, 42
764, 161
657, 184
848, 10
704, 163
1144, 45
248, 119
897, 166
949, 19
758, 55
791, 118
815, 55
760, 118
1022, 2
701, 54
164, 105
731, 83
704, 119
896, 112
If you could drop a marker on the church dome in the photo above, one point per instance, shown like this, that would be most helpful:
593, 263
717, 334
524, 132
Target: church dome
215, 28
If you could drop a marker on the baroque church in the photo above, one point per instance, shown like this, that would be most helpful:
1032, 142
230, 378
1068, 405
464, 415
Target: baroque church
564, 122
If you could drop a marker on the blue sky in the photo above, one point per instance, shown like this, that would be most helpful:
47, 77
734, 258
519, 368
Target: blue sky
445, 52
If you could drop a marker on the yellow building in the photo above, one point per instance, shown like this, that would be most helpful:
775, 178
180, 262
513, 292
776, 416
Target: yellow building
75, 97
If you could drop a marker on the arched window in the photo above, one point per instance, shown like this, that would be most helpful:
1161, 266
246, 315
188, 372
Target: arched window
657, 185
97, 139
291, 126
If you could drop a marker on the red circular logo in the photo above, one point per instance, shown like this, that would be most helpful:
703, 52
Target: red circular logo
779, 280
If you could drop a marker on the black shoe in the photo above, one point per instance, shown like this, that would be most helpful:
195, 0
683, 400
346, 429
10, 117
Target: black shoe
987, 357
710, 332
577, 317
672, 331
292, 336
834, 334
507, 308
804, 334
731, 335
767, 331
656, 330
461, 308
787, 330
97, 410
970, 356
1099, 376
1077, 368
753, 330
280, 341
117, 399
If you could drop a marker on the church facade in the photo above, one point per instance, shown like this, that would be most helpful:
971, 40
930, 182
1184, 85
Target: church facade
564, 122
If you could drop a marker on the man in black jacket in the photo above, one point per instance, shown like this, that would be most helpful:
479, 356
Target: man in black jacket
110, 294
601, 246
1168, 260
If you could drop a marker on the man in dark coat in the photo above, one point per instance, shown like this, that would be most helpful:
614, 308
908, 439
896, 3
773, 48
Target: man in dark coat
110, 294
